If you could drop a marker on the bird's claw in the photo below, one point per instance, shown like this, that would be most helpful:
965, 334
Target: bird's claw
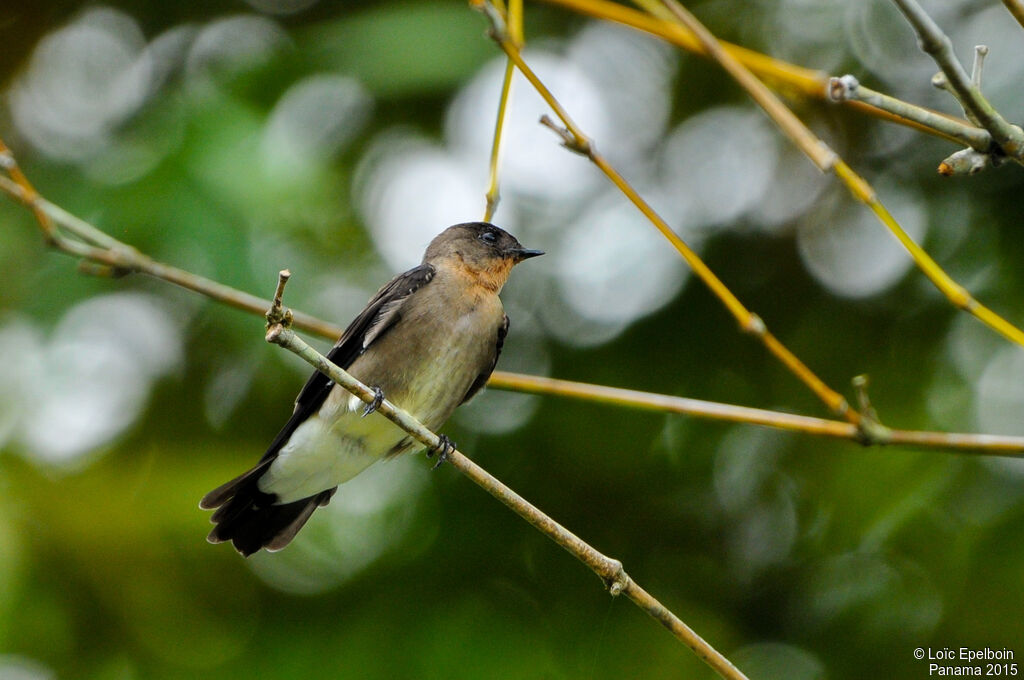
444, 448
378, 399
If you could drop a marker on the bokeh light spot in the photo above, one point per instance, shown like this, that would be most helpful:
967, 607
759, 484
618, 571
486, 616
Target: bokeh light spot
82, 81
408, 192
314, 120
96, 374
613, 267
850, 252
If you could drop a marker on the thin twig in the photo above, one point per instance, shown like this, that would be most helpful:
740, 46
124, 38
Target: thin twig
608, 569
95, 246
574, 138
493, 194
825, 159
29, 196
847, 88
1016, 8
805, 140
785, 77
939, 47
1007, 446
981, 151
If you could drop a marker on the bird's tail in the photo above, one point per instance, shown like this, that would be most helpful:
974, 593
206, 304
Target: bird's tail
251, 519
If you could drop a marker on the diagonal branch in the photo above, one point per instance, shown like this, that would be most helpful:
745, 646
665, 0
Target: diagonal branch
940, 48
575, 140
1016, 8
826, 160
77, 237
782, 76
609, 570
493, 193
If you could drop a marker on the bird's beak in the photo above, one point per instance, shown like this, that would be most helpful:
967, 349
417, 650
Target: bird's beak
520, 254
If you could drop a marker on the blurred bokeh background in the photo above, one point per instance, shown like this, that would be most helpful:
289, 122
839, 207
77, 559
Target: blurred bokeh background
233, 139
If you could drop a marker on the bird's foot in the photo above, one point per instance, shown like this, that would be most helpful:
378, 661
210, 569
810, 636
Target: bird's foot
444, 447
378, 399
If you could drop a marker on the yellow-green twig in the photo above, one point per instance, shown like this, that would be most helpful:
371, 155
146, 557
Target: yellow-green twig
827, 160
493, 194
783, 76
574, 138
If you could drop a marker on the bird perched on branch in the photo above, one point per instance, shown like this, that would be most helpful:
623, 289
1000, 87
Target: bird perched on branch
428, 340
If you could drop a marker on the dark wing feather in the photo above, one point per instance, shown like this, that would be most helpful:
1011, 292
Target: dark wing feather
380, 314
481, 379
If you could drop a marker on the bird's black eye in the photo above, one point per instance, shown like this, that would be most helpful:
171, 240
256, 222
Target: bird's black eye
489, 237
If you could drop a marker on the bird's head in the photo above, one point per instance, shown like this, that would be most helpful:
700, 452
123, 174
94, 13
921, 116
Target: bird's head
478, 249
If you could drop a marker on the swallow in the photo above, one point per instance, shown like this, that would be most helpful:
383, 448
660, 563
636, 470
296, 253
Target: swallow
428, 341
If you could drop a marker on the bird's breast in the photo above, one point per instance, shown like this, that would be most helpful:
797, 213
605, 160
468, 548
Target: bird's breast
429, 359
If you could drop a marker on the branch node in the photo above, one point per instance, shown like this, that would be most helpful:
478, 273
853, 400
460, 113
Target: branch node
754, 325
980, 52
828, 157
279, 316
967, 162
870, 430
493, 199
940, 82
102, 270
498, 30
274, 334
843, 88
7, 162
580, 145
615, 578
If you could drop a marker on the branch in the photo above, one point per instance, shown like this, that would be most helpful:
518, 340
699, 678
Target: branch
981, 151
792, 79
493, 194
609, 570
939, 47
94, 246
826, 160
780, 75
666, 403
1016, 8
847, 88
575, 140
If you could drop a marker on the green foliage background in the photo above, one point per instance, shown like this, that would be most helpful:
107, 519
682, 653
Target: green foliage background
104, 572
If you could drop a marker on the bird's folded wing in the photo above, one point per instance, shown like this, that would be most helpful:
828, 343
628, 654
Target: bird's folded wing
380, 314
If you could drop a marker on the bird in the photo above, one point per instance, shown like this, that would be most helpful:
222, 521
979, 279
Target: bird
428, 340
